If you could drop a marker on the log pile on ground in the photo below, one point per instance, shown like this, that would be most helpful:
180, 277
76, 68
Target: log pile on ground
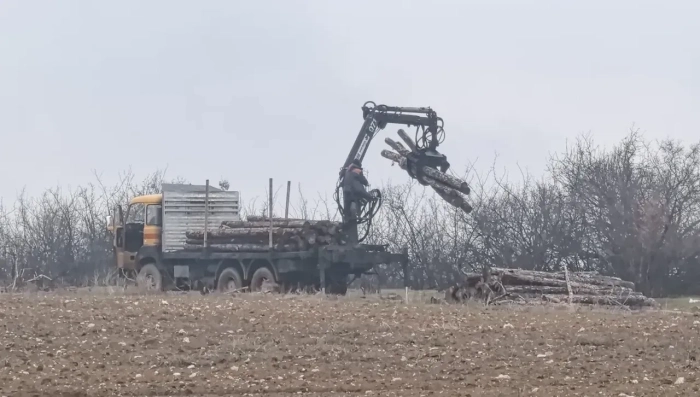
252, 235
450, 188
499, 286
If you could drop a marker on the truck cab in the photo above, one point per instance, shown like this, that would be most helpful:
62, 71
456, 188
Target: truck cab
136, 231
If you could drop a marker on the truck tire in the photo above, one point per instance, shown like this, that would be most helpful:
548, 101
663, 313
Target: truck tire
229, 280
259, 276
149, 278
336, 287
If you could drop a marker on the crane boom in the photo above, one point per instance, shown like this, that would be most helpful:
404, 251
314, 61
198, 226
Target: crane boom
429, 131
423, 153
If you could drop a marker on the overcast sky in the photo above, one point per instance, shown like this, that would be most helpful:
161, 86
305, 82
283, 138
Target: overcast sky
249, 90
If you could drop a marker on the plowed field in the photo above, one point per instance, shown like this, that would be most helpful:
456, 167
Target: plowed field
190, 345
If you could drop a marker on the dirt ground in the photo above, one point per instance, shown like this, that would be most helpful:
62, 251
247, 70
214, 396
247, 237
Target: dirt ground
184, 345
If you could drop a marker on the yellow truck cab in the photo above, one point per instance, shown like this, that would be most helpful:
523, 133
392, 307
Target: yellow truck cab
137, 229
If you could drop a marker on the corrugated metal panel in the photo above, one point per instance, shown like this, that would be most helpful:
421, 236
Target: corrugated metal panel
183, 211
181, 188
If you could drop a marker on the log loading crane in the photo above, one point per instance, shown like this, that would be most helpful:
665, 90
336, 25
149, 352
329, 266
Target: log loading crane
429, 134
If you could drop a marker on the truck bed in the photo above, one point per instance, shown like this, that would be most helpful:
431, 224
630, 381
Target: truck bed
363, 256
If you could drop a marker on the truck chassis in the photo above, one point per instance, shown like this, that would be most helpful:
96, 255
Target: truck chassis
325, 268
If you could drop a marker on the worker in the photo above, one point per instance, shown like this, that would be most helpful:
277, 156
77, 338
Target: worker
354, 193
354, 183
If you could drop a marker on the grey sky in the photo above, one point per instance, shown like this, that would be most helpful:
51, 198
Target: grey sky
253, 89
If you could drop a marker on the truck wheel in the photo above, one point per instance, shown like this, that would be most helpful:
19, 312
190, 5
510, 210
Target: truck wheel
149, 278
259, 276
337, 287
229, 280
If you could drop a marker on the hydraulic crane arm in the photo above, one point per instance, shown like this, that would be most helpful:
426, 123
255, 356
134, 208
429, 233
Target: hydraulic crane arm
429, 131
429, 134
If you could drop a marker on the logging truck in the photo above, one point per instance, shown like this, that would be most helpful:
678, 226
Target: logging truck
163, 239
150, 244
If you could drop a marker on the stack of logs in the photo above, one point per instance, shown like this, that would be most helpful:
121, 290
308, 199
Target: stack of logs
252, 235
499, 286
450, 188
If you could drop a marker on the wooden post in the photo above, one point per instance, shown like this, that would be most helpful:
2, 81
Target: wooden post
15, 273
322, 271
404, 266
286, 206
269, 212
568, 282
206, 213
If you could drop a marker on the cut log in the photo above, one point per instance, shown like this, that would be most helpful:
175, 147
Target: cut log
299, 242
296, 223
437, 175
536, 277
577, 290
536, 286
242, 232
450, 195
238, 247
555, 279
260, 218
597, 279
529, 280
324, 240
246, 224
407, 139
262, 240
453, 198
309, 236
330, 230
298, 235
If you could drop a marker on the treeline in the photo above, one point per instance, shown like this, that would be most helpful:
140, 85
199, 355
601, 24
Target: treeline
632, 211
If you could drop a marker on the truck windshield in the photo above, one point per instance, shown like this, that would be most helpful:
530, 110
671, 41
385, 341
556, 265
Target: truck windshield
136, 213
